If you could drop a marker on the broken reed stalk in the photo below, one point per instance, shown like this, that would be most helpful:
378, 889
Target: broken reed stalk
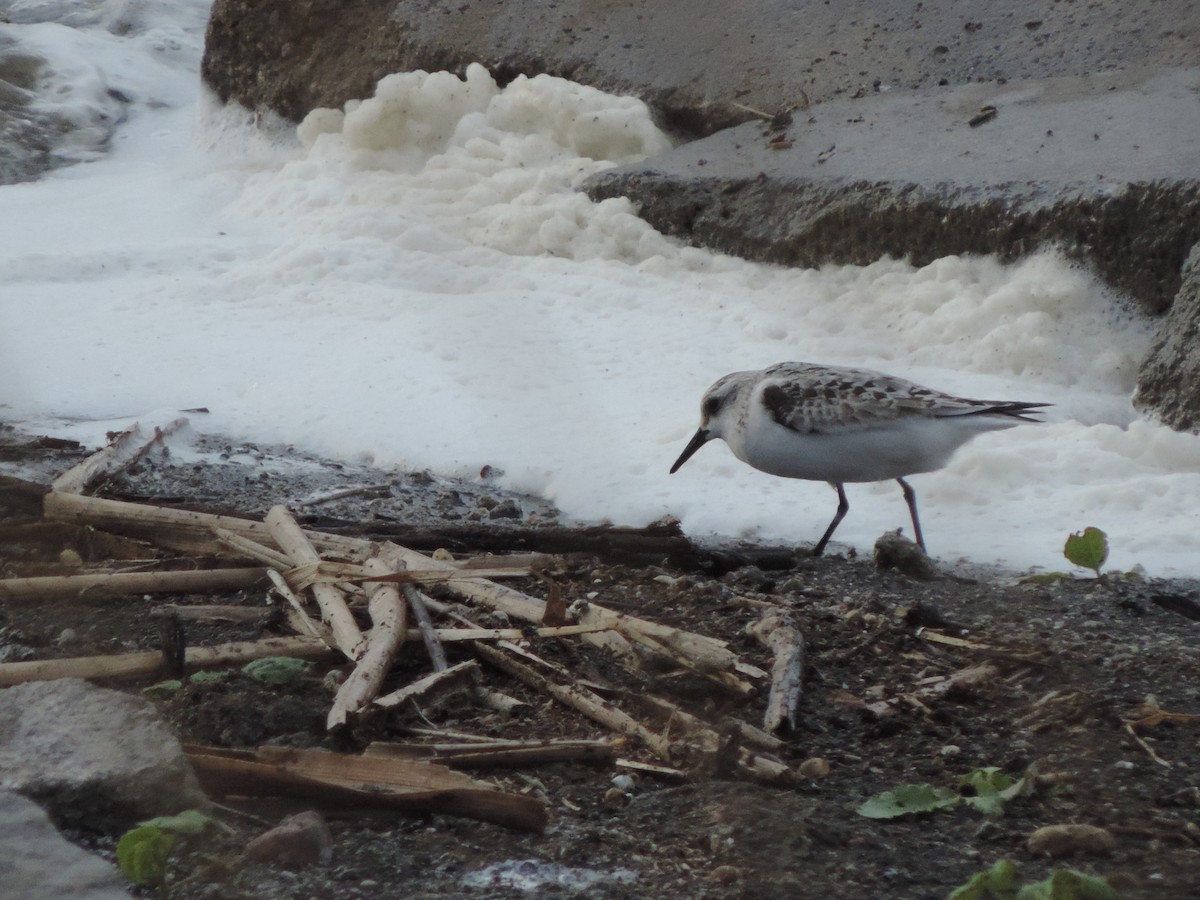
334, 612
149, 663
388, 617
121, 584
252, 549
777, 631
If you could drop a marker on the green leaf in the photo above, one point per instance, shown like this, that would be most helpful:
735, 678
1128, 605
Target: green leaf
1088, 549
997, 883
190, 821
163, 689
1068, 884
142, 854
908, 799
277, 669
989, 785
209, 677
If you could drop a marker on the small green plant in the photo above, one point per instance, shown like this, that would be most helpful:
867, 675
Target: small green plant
1087, 549
277, 669
986, 790
143, 851
1001, 882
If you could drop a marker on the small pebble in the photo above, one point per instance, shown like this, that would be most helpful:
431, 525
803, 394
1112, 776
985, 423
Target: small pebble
816, 767
725, 874
69, 557
624, 781
615, 798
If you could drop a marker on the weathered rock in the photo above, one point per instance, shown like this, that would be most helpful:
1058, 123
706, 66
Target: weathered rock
298, 841
696, 64
1067, 840
92, 756
38, 863
1169, 380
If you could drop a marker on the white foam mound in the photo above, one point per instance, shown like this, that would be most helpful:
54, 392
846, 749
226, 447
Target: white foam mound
497, 167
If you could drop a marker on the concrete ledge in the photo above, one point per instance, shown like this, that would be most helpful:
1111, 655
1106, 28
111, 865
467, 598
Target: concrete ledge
1093, 165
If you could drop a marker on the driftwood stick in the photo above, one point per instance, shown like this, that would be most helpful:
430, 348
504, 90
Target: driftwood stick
777, 630
181, 529
433, 645
197, 581
150, 663
420, 604
388, 616
252, 549
434, 686
288, 534
343, 492
580, 699
501, 753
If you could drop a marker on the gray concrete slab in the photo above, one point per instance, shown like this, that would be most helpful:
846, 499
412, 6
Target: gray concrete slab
1106, 167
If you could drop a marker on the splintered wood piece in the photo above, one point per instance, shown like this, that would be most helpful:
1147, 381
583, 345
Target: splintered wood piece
501, 753
777, 630
439, 684
121, 584
149, 663
405, 785
388, 616
292, 540
120, 452
580, 699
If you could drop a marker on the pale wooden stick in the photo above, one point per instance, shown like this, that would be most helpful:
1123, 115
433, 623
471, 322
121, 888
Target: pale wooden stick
334, 612
388, 631
936, 690
580, 699
252, 549
181, 529
198, 581
149, 663
417, 602
438, 684
342, 492
777, 630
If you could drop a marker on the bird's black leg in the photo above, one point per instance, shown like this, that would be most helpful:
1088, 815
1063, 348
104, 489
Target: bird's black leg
910, 497
843, 507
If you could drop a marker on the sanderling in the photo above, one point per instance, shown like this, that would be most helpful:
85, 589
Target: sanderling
825, 423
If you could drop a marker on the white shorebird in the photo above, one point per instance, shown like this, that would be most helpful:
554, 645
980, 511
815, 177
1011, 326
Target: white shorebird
824, 423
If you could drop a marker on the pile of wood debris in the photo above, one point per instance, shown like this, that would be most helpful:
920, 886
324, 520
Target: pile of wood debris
360, 603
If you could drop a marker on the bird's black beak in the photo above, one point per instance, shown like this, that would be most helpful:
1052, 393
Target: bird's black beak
699, 439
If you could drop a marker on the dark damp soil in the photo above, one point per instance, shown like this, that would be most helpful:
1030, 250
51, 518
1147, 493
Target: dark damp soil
1077, 660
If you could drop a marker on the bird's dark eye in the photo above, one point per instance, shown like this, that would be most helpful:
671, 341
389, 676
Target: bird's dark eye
709, 407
